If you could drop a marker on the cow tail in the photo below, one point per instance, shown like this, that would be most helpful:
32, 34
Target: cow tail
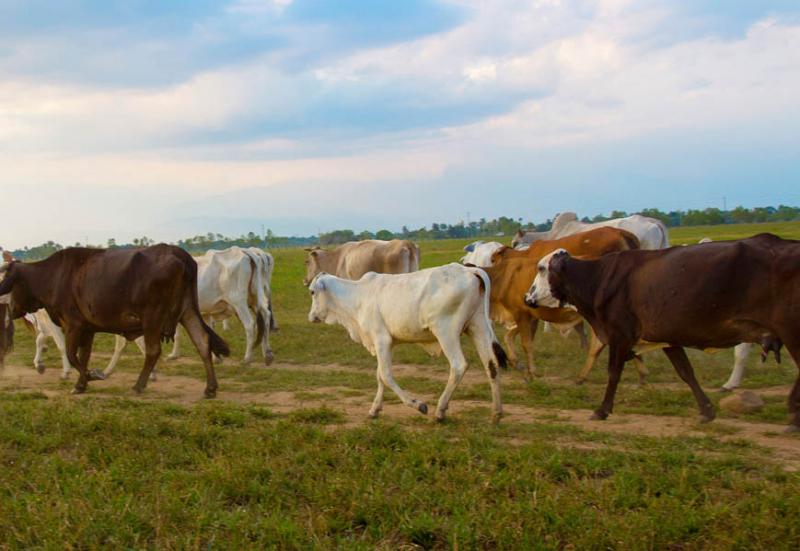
664, 234
499, 354
217, 345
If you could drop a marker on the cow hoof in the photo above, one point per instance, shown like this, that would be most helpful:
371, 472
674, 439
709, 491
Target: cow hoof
64, 376
496, 418
598, 416
153, 377
172, 357
792, 429
725, 389
209, 393
580, 381
423, 409
373, 414
439, 418
703, 419
269, 358
96, 375
77, 390
39, 368
137, 389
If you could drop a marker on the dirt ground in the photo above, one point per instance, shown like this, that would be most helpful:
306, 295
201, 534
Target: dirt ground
784, 448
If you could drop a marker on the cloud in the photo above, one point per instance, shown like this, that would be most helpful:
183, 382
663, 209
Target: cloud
457, 99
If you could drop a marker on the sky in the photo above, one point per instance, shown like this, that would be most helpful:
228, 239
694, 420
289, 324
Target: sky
124, 118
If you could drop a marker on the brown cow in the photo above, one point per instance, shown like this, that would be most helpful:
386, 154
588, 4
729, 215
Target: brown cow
715, 295
354, 259
513, 272
129, 292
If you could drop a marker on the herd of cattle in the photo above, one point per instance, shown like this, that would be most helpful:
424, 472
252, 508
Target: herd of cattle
617, 283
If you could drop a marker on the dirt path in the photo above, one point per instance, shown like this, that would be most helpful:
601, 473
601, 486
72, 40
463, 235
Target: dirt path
354, 404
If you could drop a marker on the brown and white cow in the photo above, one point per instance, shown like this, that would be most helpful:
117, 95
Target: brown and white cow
354, 259
714, 295
512, 273
651, 232
129, 292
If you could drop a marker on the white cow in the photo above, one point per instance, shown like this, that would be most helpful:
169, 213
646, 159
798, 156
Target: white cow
652, 233
236, 281
44, 328
431, 307
479, 253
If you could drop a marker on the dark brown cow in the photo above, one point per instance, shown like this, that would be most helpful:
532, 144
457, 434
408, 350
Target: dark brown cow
512, 273
129, 292
714, 295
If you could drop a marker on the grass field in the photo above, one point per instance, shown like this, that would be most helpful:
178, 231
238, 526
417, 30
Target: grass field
286, 458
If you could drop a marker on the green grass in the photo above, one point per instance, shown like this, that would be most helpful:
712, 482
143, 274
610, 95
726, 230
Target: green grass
157, 472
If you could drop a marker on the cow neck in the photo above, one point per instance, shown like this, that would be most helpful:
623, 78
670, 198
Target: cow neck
37, 286
326, 262
581, 284
344, 309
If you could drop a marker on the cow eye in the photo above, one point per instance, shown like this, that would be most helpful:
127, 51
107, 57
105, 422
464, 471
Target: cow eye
312, 293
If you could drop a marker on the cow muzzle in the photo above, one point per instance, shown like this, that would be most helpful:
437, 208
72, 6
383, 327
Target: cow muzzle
530, 298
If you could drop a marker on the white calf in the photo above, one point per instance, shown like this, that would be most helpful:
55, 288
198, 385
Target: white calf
44, 328
236, 281
431, 308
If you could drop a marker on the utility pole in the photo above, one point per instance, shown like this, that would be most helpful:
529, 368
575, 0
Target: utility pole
724, 203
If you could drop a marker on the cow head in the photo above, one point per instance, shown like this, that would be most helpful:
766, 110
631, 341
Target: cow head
546, 290
320, 300
312, 264
20, 301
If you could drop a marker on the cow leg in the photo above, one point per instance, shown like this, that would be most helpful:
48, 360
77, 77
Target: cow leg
740, 354
616, 363
383, 351
58, 337
580, 329
152, 350
794, 396
85, 353
38, 362
176, 346
72, 339
527, 332
266, 349
140, 344
641, 369
119, 346
595, 348
511, 347
483, 338
197, 333
249, 322
451, 347
377, 403
680, 360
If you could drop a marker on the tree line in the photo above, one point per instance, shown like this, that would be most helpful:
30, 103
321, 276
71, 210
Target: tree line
482, 228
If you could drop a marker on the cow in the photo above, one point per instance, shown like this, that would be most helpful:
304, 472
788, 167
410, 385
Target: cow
513, 272
431, 307
714, 295
236, 281
354, 259
479, 253
651, 232
130, 292
44, 328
